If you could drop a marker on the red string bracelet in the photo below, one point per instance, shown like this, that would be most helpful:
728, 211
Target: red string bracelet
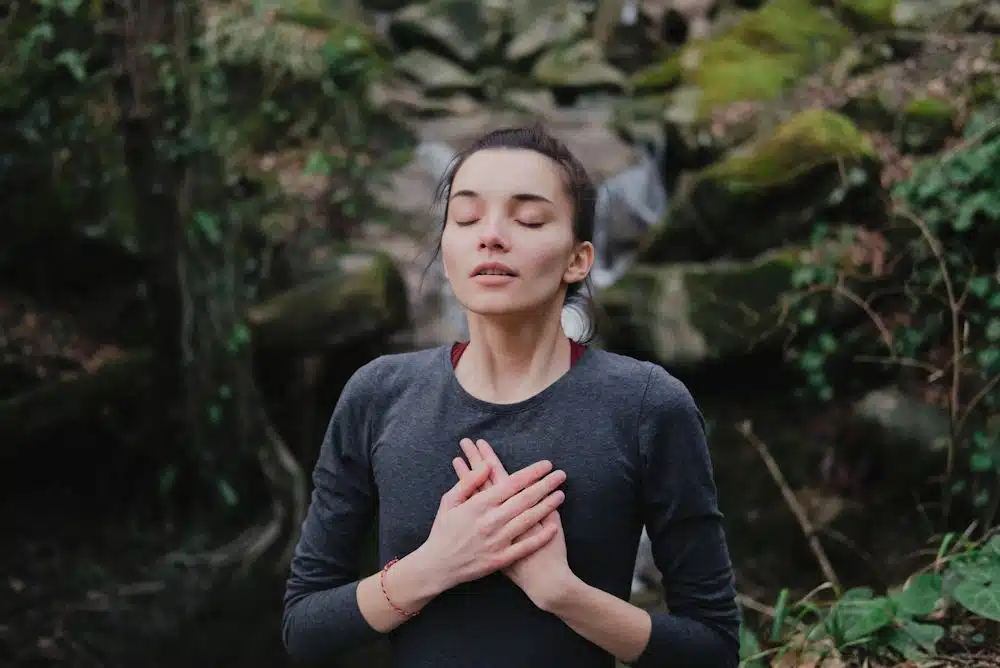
385, 569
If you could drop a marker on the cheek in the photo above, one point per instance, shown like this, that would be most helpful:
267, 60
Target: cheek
549, 259
448, 253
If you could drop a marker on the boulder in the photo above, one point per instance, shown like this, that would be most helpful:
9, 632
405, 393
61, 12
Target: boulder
769, 192
927, 123
687, 314
869, 14
363, 296
762, 56
537, 31
72, 396
465, 30
434, 74
640, 119
951, 16
759, 58
578, 66
904, 424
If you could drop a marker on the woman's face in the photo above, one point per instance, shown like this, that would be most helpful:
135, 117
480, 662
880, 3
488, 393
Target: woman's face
508, 245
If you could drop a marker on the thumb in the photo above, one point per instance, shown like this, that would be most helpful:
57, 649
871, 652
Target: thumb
467, 486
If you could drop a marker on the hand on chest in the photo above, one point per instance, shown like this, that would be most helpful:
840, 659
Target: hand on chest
413, 469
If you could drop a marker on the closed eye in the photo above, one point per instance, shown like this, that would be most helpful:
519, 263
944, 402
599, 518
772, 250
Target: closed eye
463, 223
531, 225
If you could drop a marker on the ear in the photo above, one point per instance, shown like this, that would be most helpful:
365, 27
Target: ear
580, 262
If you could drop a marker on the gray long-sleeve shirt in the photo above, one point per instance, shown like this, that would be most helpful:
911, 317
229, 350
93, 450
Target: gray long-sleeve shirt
632, 443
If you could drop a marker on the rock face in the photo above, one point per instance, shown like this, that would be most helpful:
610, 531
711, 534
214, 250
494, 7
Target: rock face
686, 314
760, 57
769, 192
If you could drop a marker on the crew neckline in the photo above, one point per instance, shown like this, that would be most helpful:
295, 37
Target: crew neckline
456, 388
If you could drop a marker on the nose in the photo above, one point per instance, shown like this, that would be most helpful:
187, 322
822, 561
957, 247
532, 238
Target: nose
491, 236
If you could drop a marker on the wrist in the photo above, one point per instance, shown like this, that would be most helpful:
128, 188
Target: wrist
426, 572
564, 593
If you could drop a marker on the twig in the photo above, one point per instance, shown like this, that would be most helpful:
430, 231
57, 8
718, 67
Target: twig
753, 604
954, 308
746, 429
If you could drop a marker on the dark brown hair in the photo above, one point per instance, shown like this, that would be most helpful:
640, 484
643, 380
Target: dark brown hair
579, 187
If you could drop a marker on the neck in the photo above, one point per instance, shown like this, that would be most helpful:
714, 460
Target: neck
509, 360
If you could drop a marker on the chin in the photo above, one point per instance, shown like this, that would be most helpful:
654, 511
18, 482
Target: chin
496, 305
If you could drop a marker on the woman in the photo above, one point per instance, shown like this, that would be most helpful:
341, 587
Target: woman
530, 569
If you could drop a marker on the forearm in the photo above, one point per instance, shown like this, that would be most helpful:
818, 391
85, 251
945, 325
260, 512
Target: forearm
323, 623
616, 626
411, 583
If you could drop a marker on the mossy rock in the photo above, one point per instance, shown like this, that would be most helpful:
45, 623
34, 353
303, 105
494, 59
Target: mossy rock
759, 58
770, 192
660, 76
871, 111
552, 26
639, 119
927, 123
947, 16
579, 66
465, 30
434, 74
683, 315
868, 14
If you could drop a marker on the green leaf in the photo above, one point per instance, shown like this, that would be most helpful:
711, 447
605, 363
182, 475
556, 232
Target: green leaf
317, 164
858, 617
227, 492
988, 357
979, 286
981, 462
209, 226
914, 641
73, 61
980, 596
920, 596
993, 330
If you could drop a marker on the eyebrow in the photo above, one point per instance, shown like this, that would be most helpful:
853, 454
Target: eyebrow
519, 197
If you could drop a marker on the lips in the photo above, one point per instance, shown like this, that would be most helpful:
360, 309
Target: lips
493, 269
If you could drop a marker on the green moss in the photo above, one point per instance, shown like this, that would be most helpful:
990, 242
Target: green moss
930, 109
869, 14
810, 139
639, 119
927, 122
764, 54
658, 76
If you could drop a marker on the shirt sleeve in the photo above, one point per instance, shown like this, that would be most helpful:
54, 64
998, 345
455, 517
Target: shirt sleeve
682, 517
321, 615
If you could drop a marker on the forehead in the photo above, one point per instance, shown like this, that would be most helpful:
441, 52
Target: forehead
506, 172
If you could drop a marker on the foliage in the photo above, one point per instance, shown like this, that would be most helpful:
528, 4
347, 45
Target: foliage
108, 142
928, 287
907, 624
